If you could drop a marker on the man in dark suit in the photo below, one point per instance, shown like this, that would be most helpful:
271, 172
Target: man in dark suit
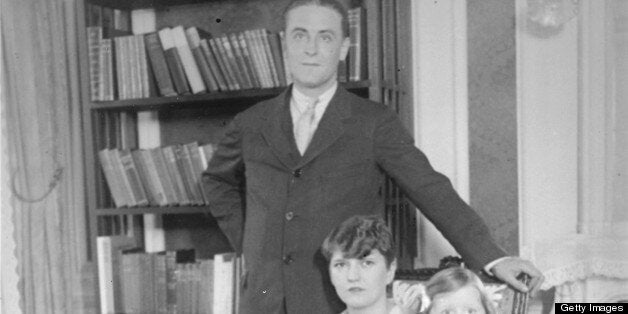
311, 158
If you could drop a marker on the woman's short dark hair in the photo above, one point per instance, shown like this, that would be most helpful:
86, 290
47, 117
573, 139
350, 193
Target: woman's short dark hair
332, 4
357, 236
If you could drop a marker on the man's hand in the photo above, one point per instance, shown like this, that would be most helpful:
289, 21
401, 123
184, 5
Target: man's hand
509, 268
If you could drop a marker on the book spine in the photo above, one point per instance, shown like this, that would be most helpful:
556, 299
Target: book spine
275, 47
165, 178
213, 65
185, 167
125, 185
195, 41
257, 45
171, 282
187, 59
159, 65
246, 45
130, 168
242, 64
111, 178
232, 64
269, 56
175, 175
94, 38
222, 62
174, 62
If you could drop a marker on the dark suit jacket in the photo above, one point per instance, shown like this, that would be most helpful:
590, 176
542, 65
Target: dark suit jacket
292, 202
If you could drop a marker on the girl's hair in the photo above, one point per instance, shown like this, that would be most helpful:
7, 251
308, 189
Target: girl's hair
454, 278
357, 236
331, 4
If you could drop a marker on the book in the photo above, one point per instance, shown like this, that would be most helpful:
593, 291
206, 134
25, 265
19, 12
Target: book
258, 47
176, 176
223, 282
94, 38
122, 177
108, 250
275, 47
242, 62
157, 158
248, 58
286, 66
133, 177
111, 177
131, 281
263, 35
160, 67
216, 47
186, 169
206, 285
196, 164
187, 59
106, 90
357, 36
173, 60
194, 40
213, 65
247, 44
232, 63
160, 282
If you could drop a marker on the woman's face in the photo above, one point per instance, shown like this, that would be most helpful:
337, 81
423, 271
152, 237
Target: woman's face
465, 300
361, 282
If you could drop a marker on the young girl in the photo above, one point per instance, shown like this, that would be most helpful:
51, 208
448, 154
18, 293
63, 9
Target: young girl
457, 290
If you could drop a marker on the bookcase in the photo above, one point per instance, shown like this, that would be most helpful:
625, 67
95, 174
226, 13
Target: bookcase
115, 119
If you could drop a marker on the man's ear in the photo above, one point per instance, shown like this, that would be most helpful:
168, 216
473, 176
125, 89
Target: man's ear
344, 49
390, 275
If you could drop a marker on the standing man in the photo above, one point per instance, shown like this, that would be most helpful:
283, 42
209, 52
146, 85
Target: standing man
313, 157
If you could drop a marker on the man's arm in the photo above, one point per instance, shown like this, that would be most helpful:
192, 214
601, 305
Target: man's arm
223, 181
433, 193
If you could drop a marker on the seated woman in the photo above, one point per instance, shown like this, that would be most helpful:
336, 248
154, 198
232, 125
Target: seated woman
457, 290
362, 263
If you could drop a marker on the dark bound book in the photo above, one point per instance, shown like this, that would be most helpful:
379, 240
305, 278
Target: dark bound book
159, 65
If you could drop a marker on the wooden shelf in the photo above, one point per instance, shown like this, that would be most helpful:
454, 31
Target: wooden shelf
203, 100
143, 4
151, 210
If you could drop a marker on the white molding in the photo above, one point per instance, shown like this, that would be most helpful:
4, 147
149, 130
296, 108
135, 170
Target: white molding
547, 131
440, 94
594, 110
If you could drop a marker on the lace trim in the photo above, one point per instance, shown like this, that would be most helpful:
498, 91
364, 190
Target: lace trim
585, 269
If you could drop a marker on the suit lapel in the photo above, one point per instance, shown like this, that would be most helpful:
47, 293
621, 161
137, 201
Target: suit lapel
330, 128
278, 133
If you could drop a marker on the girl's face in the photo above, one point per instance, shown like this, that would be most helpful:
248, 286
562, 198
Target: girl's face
361, 282
465, 300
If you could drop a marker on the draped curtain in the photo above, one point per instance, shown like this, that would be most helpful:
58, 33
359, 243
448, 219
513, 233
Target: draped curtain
42, 182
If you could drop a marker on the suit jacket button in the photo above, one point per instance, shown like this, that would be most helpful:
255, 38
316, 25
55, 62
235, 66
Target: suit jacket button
297, 173
289, 216
287, 259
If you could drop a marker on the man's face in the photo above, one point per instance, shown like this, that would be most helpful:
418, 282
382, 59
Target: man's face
361, 282
314, 46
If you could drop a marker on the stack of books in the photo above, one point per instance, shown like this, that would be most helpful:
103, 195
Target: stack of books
163, 176
133, 281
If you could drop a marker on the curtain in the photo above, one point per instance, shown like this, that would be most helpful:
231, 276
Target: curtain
42, 129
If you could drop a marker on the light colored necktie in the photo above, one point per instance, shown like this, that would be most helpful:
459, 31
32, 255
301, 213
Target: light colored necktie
304, 127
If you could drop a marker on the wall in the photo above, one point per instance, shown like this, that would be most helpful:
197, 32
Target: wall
492, 116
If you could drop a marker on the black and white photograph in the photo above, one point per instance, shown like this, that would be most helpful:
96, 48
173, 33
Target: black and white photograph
313, 156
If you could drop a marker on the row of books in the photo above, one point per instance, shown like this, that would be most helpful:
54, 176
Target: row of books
180, 61
162, 176
133, 281
177, 61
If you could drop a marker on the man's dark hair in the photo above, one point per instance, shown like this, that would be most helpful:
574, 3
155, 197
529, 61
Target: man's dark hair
357, 236
332, 4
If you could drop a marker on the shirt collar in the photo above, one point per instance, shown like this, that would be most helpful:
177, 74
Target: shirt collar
301, 100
